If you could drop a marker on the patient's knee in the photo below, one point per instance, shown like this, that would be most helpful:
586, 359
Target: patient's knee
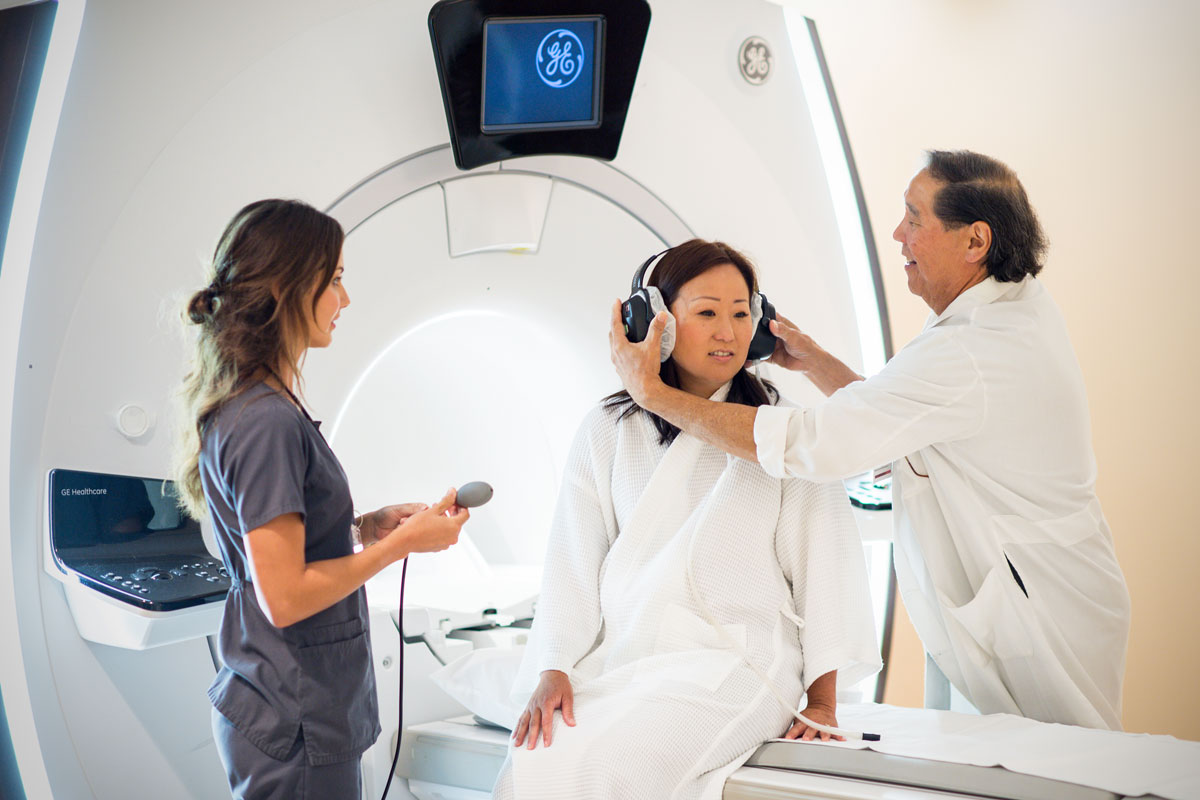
503, 789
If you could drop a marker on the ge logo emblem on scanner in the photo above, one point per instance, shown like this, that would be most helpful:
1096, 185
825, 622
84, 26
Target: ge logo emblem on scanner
754, 60
559, 58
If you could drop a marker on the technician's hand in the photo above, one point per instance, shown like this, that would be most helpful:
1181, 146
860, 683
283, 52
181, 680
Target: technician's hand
553, 692
431, 530
379, 524
817, 713
637, 363
793, 349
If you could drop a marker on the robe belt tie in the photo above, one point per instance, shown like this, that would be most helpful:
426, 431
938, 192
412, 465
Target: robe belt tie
787, 612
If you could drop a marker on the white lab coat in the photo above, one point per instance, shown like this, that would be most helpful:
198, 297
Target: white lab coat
665, 707
985, 419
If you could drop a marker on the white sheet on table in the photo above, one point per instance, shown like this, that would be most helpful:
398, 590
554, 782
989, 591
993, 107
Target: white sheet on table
1124, 763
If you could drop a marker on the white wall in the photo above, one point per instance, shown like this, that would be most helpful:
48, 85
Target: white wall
1096, 104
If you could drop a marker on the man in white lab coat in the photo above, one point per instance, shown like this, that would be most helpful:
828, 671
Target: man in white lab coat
1004, 558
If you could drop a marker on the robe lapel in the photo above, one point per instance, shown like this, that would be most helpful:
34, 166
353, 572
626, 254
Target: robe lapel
658, 514
663, 509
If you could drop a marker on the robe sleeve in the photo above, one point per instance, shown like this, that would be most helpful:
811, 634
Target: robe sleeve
932, 391
821, 555
568, 617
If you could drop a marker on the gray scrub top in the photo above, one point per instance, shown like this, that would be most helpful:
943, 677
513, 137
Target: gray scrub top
262, 457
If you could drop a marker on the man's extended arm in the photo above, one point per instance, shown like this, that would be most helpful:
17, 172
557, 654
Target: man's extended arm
729, 426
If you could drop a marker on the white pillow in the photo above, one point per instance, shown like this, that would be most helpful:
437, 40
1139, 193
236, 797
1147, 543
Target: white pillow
482, 680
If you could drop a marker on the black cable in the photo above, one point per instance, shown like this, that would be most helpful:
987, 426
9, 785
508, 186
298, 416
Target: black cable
400, 705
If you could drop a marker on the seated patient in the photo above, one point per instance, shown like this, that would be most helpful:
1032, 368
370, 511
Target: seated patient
655, 535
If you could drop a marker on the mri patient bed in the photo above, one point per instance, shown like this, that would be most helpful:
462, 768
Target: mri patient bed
928, 759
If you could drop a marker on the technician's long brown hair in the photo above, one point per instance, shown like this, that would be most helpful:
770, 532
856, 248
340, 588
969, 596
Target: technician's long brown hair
252, 319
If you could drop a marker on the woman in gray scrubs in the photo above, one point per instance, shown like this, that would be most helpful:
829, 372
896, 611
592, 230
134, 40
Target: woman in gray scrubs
294, 703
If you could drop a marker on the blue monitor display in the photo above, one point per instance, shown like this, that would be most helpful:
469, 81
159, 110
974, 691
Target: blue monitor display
542, 73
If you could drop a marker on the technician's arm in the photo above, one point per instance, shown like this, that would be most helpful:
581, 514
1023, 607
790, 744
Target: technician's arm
931, 391
290, 590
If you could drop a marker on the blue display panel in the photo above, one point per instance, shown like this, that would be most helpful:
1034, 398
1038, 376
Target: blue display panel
542, 73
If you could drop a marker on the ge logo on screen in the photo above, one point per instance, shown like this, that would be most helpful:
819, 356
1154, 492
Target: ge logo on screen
559, 58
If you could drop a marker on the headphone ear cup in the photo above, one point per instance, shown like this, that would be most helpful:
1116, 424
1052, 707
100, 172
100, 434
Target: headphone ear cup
636, 314
763, 343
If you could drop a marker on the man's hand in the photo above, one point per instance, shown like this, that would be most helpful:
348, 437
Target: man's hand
798, 351
793, 349
637, 363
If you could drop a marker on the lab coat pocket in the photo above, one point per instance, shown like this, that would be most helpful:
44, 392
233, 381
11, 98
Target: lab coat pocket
1064, 531
996, 621
698, 652
339, 708
912, 472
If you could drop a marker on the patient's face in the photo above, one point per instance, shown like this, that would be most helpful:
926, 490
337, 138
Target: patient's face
712, 329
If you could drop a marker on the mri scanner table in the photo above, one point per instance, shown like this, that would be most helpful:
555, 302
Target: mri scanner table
458, 759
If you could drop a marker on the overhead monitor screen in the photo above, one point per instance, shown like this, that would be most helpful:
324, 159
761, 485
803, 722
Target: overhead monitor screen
542, 73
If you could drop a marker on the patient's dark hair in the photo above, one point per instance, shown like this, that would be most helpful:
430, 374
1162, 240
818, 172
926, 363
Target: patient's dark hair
680, 264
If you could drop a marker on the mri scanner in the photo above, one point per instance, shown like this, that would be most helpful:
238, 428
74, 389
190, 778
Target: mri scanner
475, 342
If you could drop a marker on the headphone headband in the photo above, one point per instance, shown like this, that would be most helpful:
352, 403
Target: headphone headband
643, 272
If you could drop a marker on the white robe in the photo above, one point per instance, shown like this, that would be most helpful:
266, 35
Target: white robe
986, 419
665, 707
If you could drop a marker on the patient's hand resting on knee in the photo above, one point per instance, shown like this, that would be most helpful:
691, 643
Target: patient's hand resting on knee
553, 692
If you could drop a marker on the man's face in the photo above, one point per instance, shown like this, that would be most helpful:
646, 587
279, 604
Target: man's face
936, 258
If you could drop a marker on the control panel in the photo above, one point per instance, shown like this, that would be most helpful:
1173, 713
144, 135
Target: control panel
126, 537
161, 584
